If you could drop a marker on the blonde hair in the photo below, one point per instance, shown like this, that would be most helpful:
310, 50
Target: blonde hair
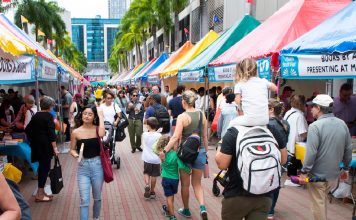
298, 102
278, 107
246, 69
162, 142
189, 97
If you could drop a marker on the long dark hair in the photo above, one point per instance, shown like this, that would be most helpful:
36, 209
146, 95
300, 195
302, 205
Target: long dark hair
79, 117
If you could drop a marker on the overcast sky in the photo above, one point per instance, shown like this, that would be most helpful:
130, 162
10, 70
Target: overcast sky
85, 8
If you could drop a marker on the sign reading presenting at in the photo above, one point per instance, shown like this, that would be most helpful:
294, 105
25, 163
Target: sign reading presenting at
17, 69
222, 73
153, 80
264, 68
319, 66
195, 76
49, 70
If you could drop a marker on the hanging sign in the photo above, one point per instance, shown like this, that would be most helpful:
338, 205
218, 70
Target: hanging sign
264, 68
48, 70
153, 80
318, 66
222, 73
195, 76
16, 69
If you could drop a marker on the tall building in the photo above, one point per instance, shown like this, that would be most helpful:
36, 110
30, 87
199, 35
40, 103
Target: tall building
117, 8
95, 37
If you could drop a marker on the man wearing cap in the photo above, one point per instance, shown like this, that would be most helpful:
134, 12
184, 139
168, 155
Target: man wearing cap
328, 144
285, 97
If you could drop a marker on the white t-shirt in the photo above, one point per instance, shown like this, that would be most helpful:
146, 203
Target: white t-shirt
148, 140
254, 97
29, 115
109, 112
297, 126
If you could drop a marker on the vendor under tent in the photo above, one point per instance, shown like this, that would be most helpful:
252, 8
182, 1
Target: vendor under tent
154, 76
161, 59
287, 24
173, 68
326, 52
195, 70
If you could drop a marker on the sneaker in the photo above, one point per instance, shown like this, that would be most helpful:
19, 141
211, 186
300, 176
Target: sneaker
152, 195
185, 212
147, 192
289, 183
139, 148
165, 211
133, 151
204, 215
270, 217
172, 217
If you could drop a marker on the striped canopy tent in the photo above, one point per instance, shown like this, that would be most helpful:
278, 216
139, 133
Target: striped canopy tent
287, 24
326, 52
154, 76
172, 69
143, 70
153, 66
127, 79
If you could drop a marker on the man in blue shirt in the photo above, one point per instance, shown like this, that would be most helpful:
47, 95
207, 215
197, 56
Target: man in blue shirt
157, 108
175, 106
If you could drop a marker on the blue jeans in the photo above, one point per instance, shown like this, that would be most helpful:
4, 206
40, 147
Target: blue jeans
90, 174
275, 195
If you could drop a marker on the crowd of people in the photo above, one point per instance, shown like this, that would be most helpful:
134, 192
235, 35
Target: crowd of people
162, 123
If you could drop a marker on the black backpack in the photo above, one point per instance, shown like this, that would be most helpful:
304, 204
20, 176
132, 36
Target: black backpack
163, 118
188, 151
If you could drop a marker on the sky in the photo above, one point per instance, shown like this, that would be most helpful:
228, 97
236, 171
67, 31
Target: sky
85, 8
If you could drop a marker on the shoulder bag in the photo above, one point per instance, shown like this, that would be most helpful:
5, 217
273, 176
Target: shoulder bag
55, 174
105, 160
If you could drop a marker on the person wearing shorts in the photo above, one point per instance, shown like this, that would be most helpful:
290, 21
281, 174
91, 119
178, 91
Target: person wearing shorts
151, 162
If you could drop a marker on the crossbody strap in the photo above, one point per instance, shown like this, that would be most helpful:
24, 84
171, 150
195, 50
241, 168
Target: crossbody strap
290, 115
200, 124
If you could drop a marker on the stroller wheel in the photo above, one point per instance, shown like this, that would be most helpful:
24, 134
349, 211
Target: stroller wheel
118, 163
216, 190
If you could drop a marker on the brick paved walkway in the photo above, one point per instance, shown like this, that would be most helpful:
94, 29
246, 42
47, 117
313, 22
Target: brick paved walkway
123, 198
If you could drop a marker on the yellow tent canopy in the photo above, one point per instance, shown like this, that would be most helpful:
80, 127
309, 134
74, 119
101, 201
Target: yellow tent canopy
172, 69
9, 43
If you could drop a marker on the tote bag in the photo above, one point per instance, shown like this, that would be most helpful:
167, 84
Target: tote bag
55, 174
105, 161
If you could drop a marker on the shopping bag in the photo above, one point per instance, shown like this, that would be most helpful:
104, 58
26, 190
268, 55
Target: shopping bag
12, 173
105, 161
214, 124
55, 174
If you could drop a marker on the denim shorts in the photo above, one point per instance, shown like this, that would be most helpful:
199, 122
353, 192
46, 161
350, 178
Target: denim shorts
170, 186
199, 163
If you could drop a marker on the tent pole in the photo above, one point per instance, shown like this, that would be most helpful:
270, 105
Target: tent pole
207, 97
37, 84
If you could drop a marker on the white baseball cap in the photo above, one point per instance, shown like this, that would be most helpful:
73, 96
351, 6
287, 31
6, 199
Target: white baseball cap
322, 100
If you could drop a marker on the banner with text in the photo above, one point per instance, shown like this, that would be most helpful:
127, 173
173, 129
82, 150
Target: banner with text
264, 68
16, 69
153, 80
222, 73
194, 76
48, 70
318, 66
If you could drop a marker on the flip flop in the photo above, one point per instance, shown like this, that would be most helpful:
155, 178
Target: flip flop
44, 199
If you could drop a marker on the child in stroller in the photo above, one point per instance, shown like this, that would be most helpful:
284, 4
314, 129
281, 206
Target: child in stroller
109, 142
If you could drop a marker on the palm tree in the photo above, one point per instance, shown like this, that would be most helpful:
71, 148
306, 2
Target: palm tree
44, 15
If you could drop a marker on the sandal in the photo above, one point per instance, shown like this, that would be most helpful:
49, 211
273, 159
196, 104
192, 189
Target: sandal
44, 199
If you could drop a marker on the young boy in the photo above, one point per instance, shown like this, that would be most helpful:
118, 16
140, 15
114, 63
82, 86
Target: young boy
170, 175
151, 167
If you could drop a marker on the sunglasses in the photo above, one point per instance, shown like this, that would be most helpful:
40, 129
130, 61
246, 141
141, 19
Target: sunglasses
134, 95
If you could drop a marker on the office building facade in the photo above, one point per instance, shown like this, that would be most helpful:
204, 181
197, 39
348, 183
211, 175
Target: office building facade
117, 8
95, 37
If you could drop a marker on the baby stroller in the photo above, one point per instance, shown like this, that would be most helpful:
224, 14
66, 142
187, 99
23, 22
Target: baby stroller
220, 178
109, 142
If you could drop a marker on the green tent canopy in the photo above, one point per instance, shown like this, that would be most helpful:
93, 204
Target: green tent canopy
238, 31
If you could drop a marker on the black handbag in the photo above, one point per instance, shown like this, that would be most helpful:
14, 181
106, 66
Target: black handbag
120, 135
55, 174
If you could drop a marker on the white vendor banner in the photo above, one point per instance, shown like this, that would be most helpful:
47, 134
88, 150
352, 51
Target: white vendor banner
16, 69
49, 70
318, 66
194, 76
153, 80
222, 73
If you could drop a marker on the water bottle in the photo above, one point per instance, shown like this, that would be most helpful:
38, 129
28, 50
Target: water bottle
206, 169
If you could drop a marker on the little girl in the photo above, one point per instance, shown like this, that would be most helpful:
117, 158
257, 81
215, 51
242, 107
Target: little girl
151, 164
170, 175
252, 94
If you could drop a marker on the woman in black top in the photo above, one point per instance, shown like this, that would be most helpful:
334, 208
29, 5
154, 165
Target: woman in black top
41, 134
90, 172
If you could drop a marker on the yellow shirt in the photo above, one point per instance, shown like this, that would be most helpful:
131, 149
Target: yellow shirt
98, 93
